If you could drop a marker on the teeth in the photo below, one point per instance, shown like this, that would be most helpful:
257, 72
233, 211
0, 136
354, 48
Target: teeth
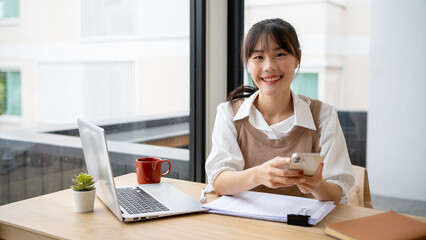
271, 79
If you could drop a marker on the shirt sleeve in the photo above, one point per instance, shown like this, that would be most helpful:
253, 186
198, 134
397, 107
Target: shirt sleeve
337, 165
225, 153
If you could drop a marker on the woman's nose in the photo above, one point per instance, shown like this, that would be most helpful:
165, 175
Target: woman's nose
270, 65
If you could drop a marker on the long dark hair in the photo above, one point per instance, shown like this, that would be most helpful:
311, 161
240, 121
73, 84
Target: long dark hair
281, 32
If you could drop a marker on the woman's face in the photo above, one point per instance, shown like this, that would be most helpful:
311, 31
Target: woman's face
272, 69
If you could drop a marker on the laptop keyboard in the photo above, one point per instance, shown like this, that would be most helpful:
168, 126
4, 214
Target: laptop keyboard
136, 200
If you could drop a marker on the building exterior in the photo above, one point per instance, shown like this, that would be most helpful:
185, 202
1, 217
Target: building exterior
100, 60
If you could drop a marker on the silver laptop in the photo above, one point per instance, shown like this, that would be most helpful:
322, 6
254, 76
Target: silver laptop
129, 203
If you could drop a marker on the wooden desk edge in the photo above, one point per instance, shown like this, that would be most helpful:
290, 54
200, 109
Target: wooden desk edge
13, 231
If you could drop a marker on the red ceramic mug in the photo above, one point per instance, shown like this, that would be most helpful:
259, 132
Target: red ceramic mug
148, 169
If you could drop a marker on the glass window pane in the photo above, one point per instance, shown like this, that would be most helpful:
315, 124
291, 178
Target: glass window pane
306, 84
121, 64
13, 93
9, 8
2, 92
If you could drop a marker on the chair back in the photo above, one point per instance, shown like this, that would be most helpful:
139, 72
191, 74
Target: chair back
359, 194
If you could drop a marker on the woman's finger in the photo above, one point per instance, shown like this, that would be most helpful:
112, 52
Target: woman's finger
292, 173
318, 173
280, 161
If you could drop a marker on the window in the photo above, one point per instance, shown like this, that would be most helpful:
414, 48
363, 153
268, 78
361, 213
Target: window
9, 8
10, 93
306, 84
125, 65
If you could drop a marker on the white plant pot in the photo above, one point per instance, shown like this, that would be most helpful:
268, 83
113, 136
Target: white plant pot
84, 200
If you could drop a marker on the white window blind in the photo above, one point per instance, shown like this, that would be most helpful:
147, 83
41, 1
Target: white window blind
106, 19
95, 91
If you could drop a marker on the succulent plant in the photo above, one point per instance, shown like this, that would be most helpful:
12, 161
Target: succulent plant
83, 182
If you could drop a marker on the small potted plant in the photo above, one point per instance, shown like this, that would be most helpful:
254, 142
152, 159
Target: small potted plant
84, 192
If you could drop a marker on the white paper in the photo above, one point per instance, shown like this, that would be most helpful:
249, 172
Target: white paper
267, 206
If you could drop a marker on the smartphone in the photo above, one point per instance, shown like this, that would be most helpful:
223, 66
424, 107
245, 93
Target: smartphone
308, 162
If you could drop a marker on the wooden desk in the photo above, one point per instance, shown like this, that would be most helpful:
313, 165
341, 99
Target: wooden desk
53, 216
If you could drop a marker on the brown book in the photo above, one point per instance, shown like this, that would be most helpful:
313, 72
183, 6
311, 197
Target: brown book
387, 225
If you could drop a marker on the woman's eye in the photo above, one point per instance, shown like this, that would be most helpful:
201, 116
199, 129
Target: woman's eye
281, 54
257, 57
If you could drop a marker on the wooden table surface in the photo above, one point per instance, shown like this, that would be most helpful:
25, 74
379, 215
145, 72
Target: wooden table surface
53, 216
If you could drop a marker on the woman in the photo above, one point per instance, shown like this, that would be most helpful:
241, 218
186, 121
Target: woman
258, 129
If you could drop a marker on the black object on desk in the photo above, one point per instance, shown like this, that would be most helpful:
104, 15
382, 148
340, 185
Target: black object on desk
300, 219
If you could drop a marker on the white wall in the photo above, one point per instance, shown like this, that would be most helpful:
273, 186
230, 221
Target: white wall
216, 69
396, 144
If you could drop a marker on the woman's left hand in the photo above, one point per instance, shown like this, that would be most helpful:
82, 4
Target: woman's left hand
310, 184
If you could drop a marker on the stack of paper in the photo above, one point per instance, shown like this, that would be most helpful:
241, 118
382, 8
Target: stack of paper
267, 206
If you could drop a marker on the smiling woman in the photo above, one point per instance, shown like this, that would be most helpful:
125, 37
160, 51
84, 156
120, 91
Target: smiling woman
259, 128
272, 69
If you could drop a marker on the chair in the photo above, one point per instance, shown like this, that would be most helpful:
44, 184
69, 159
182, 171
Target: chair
359, 194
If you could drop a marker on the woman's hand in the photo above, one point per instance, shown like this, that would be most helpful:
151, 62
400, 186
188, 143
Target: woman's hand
310, 184
274, 175
321, 189
271, 174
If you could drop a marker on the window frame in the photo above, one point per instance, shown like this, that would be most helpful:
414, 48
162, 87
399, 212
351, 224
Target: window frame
197, 115
235, 40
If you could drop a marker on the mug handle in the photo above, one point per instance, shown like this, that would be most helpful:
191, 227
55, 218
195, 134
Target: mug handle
170, 167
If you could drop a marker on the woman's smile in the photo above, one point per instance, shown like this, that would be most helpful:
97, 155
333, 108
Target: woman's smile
271, 79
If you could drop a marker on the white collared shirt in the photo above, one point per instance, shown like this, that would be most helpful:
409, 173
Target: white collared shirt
226, 154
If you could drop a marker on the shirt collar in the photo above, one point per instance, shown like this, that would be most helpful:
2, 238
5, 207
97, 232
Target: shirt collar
245, 108
302, 111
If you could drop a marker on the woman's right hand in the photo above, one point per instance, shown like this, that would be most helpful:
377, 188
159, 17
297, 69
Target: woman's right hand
273, 173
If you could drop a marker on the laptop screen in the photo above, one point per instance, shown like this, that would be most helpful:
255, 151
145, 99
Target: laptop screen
98, 164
